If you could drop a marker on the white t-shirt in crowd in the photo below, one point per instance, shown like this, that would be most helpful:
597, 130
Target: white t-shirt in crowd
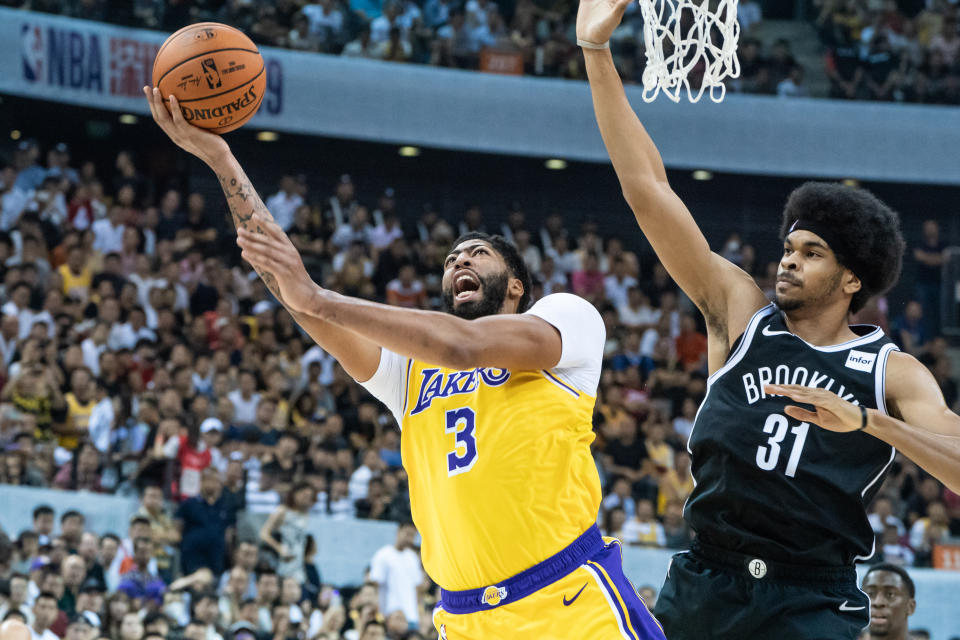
46, 635
359, 483
107, 238
582, 336
398, 573
645, 315
617, 289
244, 410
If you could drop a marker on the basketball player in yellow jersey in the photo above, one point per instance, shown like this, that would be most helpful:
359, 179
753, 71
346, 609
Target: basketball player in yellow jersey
495, 403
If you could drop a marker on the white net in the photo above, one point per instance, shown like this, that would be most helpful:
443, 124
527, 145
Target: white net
688, 41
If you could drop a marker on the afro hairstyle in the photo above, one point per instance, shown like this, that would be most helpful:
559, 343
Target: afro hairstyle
508, 251
867, 238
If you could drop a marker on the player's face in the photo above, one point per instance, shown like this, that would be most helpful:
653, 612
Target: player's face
475, 280
890, 604
809, 274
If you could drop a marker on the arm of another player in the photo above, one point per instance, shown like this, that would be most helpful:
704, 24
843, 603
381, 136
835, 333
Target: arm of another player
359, 357
928, 433
706, 277
514, 341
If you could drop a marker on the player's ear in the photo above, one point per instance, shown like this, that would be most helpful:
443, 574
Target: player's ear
911, 606
851, 283
514, 288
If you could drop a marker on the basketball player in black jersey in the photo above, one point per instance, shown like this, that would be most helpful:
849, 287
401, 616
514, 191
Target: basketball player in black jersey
779, 507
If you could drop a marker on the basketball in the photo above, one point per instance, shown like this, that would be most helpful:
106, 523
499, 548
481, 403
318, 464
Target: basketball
216, 73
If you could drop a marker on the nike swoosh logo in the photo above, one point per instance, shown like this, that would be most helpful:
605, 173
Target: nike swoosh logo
569, 602
766, 331
844, 607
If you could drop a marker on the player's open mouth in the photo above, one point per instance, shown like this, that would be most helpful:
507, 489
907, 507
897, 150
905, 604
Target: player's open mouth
466, 286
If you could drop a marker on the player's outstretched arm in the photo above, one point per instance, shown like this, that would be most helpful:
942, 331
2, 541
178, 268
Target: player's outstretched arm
514, 341
928, 433
359, 357
707, 278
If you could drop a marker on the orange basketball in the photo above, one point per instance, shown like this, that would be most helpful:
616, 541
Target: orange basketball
215, 72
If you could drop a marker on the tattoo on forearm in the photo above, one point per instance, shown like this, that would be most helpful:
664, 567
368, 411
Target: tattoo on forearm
244, 203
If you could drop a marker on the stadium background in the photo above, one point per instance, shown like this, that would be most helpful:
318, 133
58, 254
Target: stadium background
481, 140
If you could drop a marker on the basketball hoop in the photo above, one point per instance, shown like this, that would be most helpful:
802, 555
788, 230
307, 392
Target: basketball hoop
673, 51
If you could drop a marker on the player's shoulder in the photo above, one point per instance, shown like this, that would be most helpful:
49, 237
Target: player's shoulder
564, 302
904, 370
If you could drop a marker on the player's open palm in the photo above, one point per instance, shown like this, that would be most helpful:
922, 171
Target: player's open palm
272, 254
203, 144
597, 19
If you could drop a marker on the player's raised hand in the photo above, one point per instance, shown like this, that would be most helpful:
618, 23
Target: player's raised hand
597, 19
203, 144
832, 412
272, 254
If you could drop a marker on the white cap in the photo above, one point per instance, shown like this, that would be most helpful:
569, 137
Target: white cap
211, 424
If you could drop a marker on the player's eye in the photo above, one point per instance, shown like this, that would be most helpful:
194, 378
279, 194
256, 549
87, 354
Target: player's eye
813, 254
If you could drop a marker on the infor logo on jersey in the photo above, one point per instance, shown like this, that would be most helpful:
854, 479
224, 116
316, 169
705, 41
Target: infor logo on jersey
861, 361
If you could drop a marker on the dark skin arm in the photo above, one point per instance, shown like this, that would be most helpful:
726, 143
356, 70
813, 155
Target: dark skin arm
510, 340
359, 357
350, 329
708, 279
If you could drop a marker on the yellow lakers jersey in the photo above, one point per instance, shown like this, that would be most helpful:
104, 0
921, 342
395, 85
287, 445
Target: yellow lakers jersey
499, 467
78, 417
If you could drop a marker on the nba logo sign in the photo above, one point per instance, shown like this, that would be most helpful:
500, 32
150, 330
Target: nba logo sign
32, 52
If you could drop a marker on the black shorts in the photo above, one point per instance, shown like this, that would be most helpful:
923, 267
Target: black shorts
711, 594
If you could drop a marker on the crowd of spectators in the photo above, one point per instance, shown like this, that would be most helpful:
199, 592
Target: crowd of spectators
890, 50
903, 51
535, 37
140, 356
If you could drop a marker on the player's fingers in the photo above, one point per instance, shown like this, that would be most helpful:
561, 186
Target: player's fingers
151, 102
270, 227
795, 392
254, 258
780, 390
261, 252
276, 242
801, 414
146, 94
253, 247
175, 113
273, 230
163, 116
259, 241
270, 265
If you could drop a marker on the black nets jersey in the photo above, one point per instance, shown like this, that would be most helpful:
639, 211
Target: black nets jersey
774, 487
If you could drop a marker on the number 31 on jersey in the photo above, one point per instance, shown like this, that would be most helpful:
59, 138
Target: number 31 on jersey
769, 454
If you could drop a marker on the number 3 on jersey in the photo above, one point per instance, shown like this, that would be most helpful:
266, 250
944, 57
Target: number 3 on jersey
768, 455
464, 455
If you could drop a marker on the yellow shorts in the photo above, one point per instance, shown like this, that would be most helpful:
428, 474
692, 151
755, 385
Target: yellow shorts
593, 601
